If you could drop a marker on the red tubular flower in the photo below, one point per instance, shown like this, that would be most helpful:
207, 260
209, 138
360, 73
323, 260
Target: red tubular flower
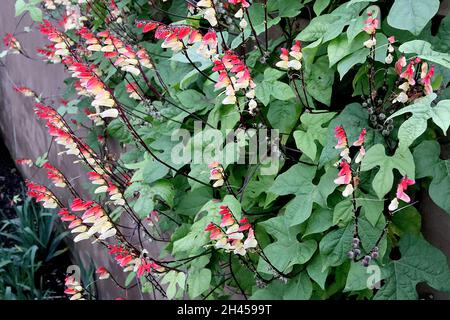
132, 89
210, 227
402, 186
227, 220
345, 173
408, 74
102, 273
371, 25
361, 138
124, 260
27, 162
404, 183
80, 205
65, 215
216, 234
243, 3
54, 175
426, 76
41, 194
27, 92
147, 26
95, 211
340, 134
11, 42
194, 37
144, 267
400, 64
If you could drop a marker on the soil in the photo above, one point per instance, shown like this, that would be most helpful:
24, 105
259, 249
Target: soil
11, 182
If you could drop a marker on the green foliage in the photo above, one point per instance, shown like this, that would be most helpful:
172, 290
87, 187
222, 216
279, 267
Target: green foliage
30, 243
376, 156
412, 15
429, 164
303, 223
31, 7
420, 262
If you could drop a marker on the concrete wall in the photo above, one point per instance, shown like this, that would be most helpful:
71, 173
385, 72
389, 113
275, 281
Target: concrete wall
26, 137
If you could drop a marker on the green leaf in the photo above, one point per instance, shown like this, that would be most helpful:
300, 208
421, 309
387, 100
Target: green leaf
130, 277
198, 282
273, 291
373, 207
283, 255
298, 181
193, 101
441, 115
173, 278
283, 115
341, 47
402, 160
282, 91
313, 130
335, 245
320, 221
359, 277
271, 74
429, 164
191, 202
286, 251
35, 14
318, 271
298, 288
319, 80
370, 234
320, 5
412, 15
407, 220
343, 212
287, 8
421, 111
351, 60
153, 170
317, 28
164, 189
263, 92
419, 262
20, 7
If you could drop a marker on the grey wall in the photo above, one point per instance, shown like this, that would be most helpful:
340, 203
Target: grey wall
26, 137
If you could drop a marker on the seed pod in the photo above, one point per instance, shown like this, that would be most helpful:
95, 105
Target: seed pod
382, 116
351, 255
385, 132
366, 261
